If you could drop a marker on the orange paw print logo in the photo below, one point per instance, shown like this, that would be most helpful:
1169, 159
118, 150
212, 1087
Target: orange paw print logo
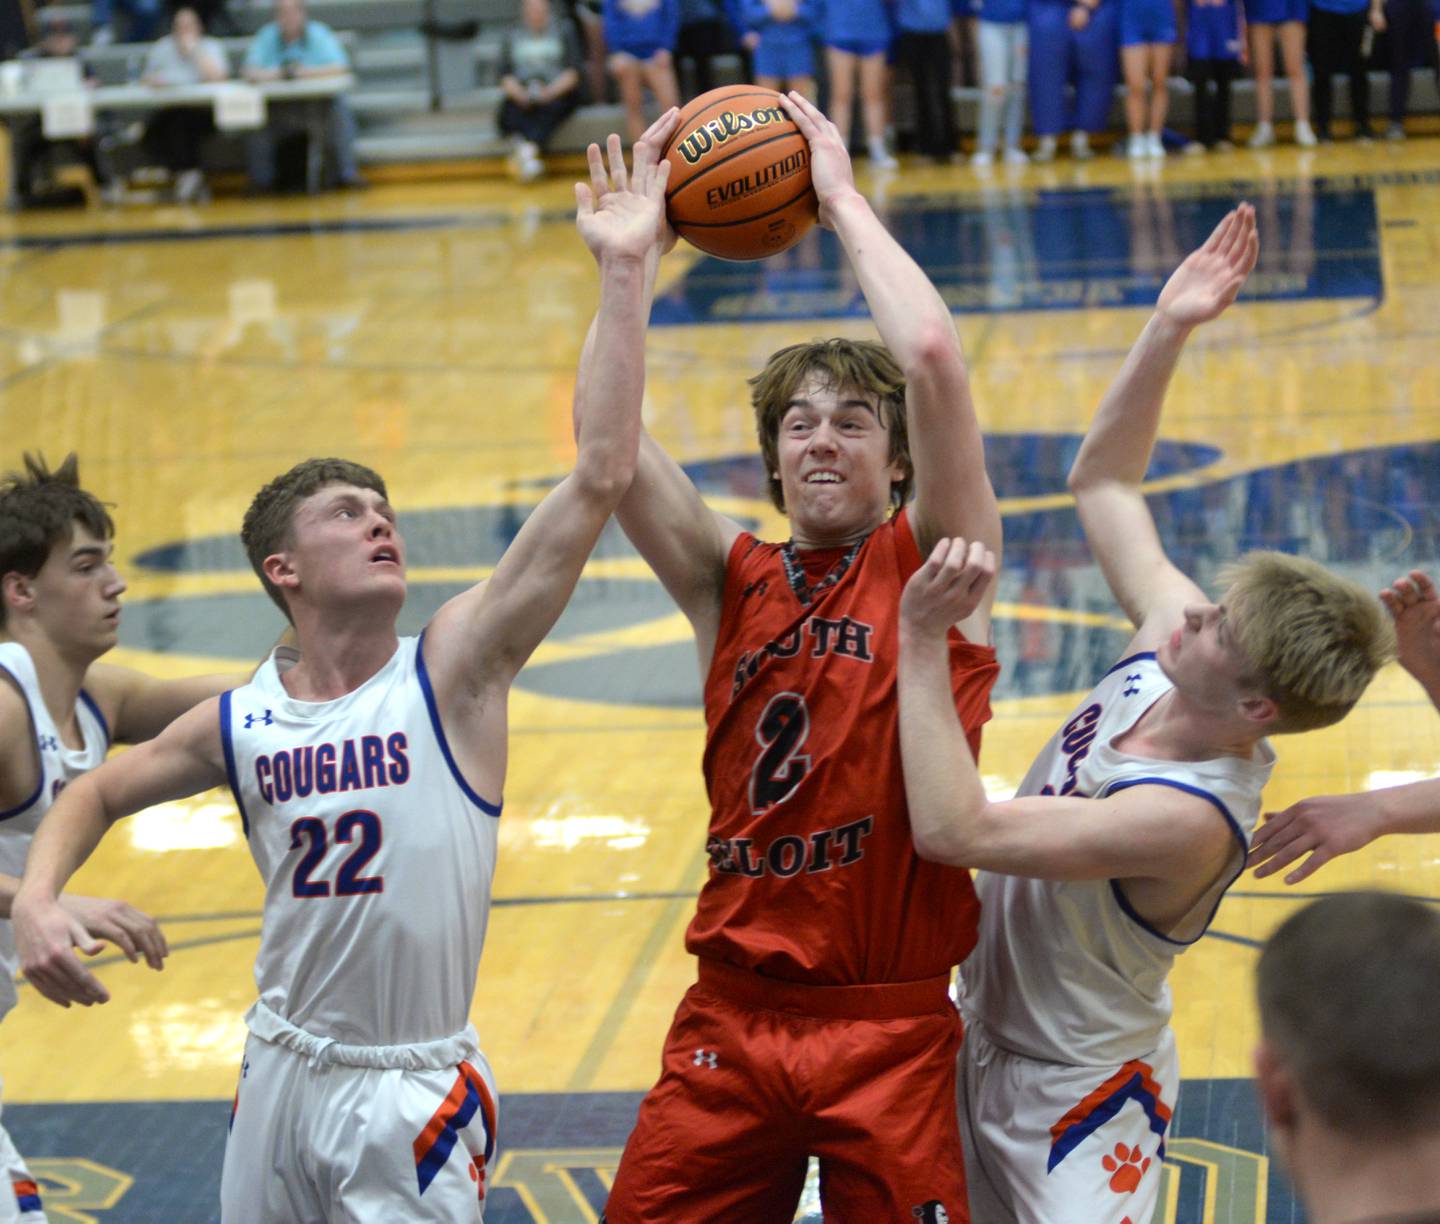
1126, 1168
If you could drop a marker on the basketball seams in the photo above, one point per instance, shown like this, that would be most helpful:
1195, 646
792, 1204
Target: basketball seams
769, 212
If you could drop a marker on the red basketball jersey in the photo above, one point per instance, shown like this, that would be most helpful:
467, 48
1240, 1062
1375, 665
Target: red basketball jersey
813, 872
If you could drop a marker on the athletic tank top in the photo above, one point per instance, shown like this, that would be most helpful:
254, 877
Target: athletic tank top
376, 854
59, 765
1067, 971
813, 872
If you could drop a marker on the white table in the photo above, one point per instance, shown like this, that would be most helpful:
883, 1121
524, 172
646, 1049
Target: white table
312, 96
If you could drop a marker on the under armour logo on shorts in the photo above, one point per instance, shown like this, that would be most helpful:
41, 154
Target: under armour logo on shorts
707, 1058
264, 719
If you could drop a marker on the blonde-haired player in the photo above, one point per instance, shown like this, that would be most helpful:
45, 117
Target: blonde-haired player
1133, 820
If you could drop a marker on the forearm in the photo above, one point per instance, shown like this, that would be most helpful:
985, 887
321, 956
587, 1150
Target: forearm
909, 313
609, 435
1413, 808
65, 839
1118, 443
942, 787
585, 373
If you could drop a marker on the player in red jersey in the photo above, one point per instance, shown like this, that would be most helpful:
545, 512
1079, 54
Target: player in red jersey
821, 1023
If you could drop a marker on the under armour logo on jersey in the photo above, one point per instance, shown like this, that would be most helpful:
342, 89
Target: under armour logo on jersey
707, 1058
758, 587
244, 1068
48, 743
264, 719
1131, 685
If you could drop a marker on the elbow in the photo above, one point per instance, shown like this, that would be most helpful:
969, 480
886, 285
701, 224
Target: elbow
604, 480
942, 845
935, 351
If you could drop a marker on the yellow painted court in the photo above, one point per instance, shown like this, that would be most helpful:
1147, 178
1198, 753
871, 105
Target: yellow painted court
432, 332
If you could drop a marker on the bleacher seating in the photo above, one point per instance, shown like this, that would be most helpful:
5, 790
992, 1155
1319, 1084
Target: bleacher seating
427, 77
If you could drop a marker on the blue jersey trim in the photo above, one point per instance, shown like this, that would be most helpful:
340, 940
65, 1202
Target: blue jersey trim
1235, 830
230, 771
1144, 654
99, 717
490, 809
40, 788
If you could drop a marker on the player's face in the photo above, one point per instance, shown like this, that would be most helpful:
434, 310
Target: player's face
1203, 659
347, 546
77, 594
835, 469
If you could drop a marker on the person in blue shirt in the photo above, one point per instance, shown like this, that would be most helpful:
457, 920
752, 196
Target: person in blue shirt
1214, 51
1004, 44
857, 39
287, 48
1269, 20
1337, 28
923, 46
640, 36
1071, 39
781, 36
1147, 43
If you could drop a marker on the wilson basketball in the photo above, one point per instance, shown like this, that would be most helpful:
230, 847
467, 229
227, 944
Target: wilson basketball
739, 175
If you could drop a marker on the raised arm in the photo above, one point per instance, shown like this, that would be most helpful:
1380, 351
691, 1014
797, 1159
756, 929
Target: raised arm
480, 640
1110, 469
183, 760
663, 515
1153, 832
953, 495
1326, 826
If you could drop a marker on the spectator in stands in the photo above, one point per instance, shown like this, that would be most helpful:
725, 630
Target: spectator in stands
185, 56
705, 32
1071, 39
1004, 46
588, 21
36, 158
142, 20
1348, 1066
290, 47
1214, 51
1147, 42
540, 77
640, 40
857, 41
1337, 30
1286, 20
780, 34
923, 46
1408, 42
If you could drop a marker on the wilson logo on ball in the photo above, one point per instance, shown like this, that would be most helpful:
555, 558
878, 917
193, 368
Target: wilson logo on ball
715, 132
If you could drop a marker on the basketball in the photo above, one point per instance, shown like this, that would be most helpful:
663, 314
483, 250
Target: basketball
739, 175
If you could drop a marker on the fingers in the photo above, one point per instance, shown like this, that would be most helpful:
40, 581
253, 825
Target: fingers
116, 934
1219, 233
807, 116
1422, 583
584, 201
599, 181
64, 980
658, 134
618, 176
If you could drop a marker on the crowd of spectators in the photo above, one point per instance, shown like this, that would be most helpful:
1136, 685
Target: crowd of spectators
1055, 62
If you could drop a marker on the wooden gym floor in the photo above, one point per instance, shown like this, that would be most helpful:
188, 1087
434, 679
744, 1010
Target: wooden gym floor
432, 332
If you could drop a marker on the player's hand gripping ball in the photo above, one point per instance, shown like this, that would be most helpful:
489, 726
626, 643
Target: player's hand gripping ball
739, 175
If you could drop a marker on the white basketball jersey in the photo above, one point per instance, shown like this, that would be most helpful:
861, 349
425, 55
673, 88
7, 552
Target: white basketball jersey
59, 765
1067, 971
376, 854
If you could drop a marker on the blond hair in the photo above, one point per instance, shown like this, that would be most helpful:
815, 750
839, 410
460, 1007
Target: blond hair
859, 365
1313, 640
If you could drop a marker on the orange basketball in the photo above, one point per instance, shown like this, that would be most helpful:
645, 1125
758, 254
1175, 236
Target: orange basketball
739, 175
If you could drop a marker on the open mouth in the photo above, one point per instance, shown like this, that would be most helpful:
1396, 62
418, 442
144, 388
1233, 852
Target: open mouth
384, 556
824, 477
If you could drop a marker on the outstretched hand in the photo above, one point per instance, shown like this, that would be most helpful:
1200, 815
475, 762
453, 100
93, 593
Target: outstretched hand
46, 936
1323, 827
948, 587
1209, 280
1415, 604
830, 171
619, 212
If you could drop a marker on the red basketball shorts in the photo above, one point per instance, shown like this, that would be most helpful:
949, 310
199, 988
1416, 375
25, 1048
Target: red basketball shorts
759, 1075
